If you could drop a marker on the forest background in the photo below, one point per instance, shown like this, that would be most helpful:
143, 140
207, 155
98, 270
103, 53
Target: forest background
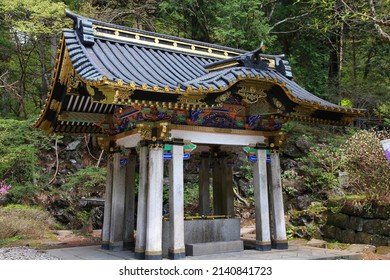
339, 50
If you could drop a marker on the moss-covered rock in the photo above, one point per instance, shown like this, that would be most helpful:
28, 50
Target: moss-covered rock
355, 223
373, 226
339, 220
380, 240
363, 238
329, 232
346, 236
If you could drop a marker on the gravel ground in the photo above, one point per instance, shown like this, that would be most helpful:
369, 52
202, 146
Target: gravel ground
24, 253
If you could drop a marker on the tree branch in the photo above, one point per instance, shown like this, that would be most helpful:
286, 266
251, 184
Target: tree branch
377, 26
285, 20
57, 163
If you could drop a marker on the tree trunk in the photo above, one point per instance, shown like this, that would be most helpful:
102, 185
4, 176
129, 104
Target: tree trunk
333, 63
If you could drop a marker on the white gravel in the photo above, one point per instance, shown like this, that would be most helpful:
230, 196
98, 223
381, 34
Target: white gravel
24, 253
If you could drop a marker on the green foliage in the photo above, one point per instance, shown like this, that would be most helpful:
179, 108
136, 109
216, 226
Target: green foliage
89, 177
307, 223
235, 23
383, 111
290, 180
367, 165
86, 181
241, 24
19, 149
191, 195
322, 165
33, 17
30, 29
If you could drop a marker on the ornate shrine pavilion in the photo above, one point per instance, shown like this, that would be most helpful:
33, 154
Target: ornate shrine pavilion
152, 98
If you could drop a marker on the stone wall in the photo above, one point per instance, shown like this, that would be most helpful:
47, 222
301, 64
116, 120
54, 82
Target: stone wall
358, 222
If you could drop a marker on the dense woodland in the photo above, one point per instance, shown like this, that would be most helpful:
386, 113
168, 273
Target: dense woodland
338, 49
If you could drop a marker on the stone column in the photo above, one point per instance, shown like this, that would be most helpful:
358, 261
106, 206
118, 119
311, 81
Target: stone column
204, 185
128, 239
118, 205
107, 206
140, 241
227, 187
153, 250
276, 197
176, 248
217, 187
263, 235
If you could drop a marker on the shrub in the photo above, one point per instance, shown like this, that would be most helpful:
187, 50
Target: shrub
367, 165
18, 221
3, 189
20, 147
321, 169
89, 181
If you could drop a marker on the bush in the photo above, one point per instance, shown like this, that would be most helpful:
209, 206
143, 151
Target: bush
321, 169
89, 181
4, 188
20, 146
18, 221
367, 165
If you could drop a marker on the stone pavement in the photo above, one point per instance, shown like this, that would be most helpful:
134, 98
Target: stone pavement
294, 252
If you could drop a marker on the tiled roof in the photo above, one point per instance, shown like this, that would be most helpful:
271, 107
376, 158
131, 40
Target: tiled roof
165, 62
148, 63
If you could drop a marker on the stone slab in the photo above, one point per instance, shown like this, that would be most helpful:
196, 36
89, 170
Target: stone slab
361, 248
317, 243
294, 252
204, 230
209, 248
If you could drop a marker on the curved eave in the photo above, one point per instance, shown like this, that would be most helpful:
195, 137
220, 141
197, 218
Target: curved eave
45, 118
286, 85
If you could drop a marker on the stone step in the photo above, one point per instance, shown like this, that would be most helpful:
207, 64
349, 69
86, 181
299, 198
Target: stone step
208, 248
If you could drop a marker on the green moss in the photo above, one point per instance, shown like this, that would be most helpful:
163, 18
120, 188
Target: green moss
338, 246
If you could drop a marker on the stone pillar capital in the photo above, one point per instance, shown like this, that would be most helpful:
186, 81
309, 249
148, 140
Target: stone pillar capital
177, 141
261, 146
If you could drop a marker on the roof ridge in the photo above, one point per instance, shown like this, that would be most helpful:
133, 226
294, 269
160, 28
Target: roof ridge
83, 25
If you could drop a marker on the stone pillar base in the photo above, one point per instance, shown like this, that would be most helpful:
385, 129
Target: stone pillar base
263, 246
105, 246
176, 255
279, 244
153, 255
115, 247
139, 255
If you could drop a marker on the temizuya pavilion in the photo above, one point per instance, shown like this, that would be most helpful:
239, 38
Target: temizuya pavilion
156, 97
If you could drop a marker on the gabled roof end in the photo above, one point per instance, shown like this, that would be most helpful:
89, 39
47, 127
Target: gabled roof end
83, 26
